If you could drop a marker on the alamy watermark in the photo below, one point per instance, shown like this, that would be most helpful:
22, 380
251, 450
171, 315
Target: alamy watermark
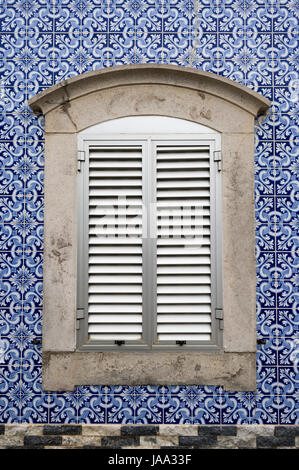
159, 220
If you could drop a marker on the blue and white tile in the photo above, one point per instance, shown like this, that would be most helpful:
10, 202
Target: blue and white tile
288, 381
264, 155
266, 293
288, 351
289, 409
286, 72
287, 292
266, 410
286, 155
286, 237
91, 406
265, 236
35, 410
237, 408
9, 410
63, 409
266, 355
264, 205
288, 322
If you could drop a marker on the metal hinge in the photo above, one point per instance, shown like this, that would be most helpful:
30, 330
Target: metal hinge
81, 158
80, 316
219, 316
218, 159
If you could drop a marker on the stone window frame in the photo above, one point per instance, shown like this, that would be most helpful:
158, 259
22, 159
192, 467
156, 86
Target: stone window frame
164, 90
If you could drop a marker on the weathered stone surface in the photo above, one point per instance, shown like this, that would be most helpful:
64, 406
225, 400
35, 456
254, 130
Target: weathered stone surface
252, 430
118, 442
234, 371
42, 441
67, 429
198, 441
178, 430
286, 431
64, 92
271, 442
6, 441
138, 430
167, 441
217, 430
23, 429
101, 430
79, 441
225, 442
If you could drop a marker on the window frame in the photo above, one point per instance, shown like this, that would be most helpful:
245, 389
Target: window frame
148, 143
165, 90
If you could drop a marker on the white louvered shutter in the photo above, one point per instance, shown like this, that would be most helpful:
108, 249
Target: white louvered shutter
115, 244
183, 244
148, 277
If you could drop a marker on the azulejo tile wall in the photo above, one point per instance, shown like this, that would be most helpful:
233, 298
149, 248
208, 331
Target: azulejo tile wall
251, 41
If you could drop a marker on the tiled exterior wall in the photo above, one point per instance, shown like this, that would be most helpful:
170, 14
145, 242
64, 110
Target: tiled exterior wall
251, 41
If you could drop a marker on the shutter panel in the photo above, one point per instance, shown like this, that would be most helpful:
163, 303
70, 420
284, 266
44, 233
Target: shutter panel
115, 244
183, 244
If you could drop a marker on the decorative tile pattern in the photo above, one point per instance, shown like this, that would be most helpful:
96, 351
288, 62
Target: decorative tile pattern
251, 41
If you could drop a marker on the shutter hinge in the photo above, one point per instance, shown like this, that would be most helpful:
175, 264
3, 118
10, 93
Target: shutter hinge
80, 316
218, 159
219, 316
81, 158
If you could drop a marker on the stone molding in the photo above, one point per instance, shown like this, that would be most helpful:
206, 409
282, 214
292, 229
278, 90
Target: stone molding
147, 89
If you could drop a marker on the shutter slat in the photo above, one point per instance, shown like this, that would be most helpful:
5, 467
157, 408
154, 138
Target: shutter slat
108, 220
184, 337
114, 308
184, 222
186, 203
184, 318
205, 250
115, 318
175, 260
178, 184
114, 337
99, 279
184, 299
185, 328
181, 193
175, 175
115, 249
189, 242
116, 298
120, 328
115, 191
173, 166
115, 202
185, 308
96, 288
107, 173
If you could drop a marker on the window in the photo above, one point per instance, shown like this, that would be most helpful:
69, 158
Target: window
200, 98
149, 236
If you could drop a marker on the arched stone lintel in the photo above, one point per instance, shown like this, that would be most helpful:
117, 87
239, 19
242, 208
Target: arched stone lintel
61, 95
